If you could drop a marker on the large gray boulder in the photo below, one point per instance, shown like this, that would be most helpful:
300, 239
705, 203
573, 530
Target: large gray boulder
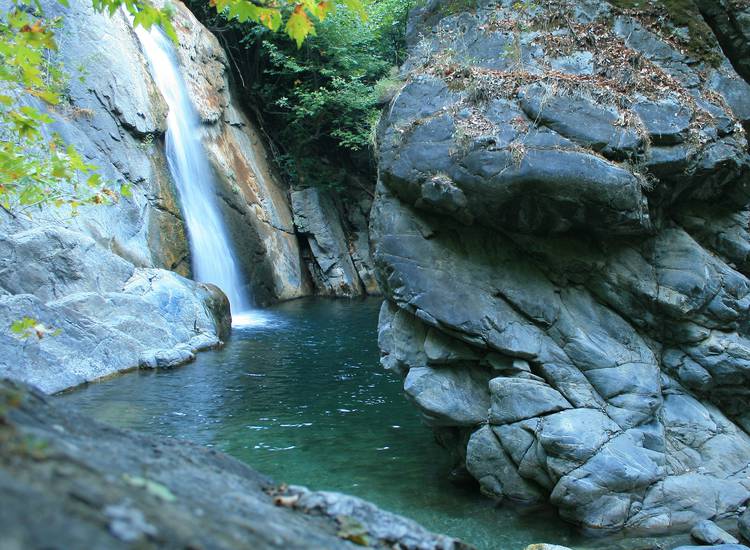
104, 315
562, 205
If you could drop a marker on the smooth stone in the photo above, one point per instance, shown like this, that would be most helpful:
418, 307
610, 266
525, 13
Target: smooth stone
744, 525
710, 533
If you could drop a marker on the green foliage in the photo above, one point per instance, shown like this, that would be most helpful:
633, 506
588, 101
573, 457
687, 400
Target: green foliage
451, 7
36, 167
28, 327
320, 102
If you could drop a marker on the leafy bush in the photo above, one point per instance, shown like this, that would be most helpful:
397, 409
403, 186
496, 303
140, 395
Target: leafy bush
319, 102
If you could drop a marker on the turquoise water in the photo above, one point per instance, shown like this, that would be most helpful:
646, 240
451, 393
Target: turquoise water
301, 397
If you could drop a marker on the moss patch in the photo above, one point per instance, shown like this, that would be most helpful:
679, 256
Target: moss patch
451, 7
700, 41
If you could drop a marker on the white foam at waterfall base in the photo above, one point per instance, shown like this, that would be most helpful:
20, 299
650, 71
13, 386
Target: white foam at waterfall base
213, 258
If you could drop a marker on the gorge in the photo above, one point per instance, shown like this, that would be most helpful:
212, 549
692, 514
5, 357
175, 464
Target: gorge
559, 231
212, 253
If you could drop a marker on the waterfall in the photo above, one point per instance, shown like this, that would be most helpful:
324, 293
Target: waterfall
213, 259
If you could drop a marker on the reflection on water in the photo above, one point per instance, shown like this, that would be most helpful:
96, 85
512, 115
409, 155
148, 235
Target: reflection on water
302, 398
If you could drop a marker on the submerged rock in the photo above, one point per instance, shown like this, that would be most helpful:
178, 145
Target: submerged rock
562, 200
744, 525
708, 532
69, 482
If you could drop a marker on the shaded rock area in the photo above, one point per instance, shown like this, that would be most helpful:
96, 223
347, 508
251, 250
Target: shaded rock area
338, 250
708, 532
730, 20
560, 230
69, 482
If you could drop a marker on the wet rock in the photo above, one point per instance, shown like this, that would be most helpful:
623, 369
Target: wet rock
498, 477
156, 319
515, 399
51, 262
667, 122
583, 121
744, 525
449, 396
382, 527
128, 524
441, 348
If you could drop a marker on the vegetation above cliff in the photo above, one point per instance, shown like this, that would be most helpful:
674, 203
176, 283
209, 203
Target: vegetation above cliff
320, 102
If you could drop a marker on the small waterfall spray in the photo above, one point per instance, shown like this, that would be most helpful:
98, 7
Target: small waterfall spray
213, 259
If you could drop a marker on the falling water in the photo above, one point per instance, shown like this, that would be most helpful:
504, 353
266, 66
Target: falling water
213, 259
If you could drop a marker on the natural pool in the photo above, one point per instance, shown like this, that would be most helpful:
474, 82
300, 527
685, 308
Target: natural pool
301, 397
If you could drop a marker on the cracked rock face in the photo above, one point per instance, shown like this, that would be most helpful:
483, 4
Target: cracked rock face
560, 230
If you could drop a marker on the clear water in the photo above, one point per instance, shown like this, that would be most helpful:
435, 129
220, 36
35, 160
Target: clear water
210, 246
302, 398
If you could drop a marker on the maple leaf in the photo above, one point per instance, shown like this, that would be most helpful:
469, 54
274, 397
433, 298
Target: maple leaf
299, 26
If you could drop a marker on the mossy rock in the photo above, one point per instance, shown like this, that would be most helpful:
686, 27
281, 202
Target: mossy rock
700, 41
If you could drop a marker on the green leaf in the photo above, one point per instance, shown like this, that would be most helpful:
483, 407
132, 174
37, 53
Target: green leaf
357, 7
323, 8
21, 326
49, 96
270, 18
169, 30
352, 530
28, 327
299, 26
152, 487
